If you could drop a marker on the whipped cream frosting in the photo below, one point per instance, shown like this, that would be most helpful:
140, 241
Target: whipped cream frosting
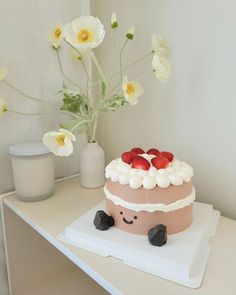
176, 173
151, 207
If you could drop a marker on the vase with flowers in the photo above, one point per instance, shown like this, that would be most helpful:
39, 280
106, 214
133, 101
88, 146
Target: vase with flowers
83, 35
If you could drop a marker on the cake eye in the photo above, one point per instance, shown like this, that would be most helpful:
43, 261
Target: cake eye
121, 212
135, 217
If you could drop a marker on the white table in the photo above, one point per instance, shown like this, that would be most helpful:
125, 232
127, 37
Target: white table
40, 264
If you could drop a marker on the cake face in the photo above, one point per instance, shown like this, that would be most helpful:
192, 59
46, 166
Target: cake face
142, 221
144, 190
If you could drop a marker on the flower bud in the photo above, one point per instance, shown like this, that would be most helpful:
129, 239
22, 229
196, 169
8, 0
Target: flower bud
114, 22
3, 106
130, 33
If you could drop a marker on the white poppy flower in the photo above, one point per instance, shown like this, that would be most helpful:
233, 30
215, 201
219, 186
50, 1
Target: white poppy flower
59, 142
130, 33
3, 106
3, 72
132, 90
84, 33
55, 35
114, 22
159, 45
162, 68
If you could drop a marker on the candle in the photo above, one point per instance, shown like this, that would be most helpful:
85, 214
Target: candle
33, 171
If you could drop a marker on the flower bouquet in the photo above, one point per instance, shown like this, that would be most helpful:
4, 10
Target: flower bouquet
83, 35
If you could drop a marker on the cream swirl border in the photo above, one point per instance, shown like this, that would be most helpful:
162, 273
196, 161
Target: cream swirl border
151, 207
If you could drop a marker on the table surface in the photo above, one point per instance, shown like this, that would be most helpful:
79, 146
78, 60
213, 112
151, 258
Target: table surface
70, 201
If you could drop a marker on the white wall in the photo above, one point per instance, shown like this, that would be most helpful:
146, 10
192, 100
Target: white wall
193, 115
33, 68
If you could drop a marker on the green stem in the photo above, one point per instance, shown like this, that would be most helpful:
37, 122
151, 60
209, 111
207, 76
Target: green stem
94, 84
114, 89
143, 75
115, 53
94, 127
26, 95
86, 73
63, 73
121, 52
26, 114
93, 56
90, 129
121, 71
136, 61
130, 65
68, 113
82, 59
78, 124
45, 113
125, 68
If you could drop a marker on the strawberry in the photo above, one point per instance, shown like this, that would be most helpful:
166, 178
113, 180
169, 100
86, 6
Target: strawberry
138, 150
140, 163
167, 155
128, 157
160, 162
153, 151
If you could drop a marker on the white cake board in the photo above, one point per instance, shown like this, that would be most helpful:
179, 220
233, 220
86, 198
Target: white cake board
182, 260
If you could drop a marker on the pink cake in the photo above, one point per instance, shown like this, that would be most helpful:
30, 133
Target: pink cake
146, 190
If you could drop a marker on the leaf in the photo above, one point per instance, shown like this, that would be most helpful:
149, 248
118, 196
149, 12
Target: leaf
112, 104
72, 101
84, 109
103, 88
71, 106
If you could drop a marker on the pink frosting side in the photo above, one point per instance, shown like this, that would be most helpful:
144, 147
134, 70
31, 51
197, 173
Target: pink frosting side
156, 195
141, 222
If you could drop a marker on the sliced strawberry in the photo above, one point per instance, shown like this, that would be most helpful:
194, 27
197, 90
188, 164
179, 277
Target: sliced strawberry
167, 155
138, 150
160, 162
153, 151
140, 163
128, 157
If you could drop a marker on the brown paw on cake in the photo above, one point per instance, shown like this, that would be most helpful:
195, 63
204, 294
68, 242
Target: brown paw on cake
149, 194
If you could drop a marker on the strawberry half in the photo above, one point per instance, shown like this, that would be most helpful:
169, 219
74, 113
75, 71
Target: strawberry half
167, 155
140, 163
138, 150
153, 151
128, 157
160, 162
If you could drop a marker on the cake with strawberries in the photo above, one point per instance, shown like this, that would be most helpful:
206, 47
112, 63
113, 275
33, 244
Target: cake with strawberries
148, 193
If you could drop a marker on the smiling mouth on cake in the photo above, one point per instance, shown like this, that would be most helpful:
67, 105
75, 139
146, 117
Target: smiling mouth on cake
126, 221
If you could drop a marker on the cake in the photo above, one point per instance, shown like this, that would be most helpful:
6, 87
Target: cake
148, 193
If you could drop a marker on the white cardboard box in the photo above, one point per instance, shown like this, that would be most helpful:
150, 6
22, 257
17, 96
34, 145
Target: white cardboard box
182, 260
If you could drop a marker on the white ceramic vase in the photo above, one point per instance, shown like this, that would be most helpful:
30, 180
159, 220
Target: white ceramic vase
92, 166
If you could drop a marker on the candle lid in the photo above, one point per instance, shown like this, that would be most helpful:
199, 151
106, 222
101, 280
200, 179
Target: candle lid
28, 149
